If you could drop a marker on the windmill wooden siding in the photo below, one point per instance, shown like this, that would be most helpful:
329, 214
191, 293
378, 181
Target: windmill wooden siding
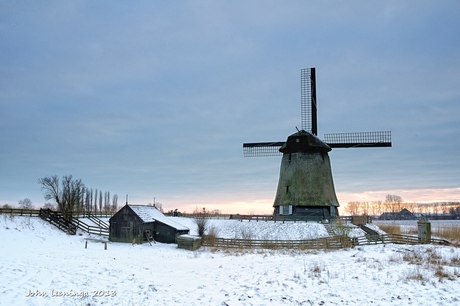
134, 223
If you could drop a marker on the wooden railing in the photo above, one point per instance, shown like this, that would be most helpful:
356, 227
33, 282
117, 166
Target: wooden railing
97, 221
98, 230
335, 242
395, 238
36, 213
320, 243
21, 212
58, 220
294, 218
70, 226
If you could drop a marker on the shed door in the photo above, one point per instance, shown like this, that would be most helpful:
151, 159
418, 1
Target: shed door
125, 233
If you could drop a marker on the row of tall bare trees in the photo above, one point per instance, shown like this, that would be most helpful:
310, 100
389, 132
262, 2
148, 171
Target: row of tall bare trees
71, 196
394, 204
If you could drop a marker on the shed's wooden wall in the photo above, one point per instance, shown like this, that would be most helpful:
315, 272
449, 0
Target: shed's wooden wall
126, 226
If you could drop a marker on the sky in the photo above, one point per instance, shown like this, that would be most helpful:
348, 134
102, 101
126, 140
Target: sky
154, 99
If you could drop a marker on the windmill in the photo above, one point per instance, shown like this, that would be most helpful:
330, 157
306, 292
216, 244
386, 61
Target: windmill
305, 186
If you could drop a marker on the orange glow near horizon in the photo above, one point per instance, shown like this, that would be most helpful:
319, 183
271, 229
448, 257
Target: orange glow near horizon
265, 205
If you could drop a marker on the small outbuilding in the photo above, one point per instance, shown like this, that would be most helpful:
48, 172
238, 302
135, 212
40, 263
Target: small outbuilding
139, 223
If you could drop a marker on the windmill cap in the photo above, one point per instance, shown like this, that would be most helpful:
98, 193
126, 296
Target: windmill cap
303, 141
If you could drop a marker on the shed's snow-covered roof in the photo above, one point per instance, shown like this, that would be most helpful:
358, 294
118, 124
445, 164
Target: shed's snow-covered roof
150, 213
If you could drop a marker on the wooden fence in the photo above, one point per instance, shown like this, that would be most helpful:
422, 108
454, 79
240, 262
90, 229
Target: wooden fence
36, 213
320, 243
294, 218
21, 212
97, 230
58, 220
395, 238
335, 242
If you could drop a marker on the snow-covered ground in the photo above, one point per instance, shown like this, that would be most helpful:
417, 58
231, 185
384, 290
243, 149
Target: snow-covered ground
39, 264
258, 230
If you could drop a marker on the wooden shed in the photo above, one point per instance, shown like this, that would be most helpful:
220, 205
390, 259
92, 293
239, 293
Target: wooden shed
139, 223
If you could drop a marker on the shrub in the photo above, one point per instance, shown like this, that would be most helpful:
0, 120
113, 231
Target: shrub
211, 236
202, 223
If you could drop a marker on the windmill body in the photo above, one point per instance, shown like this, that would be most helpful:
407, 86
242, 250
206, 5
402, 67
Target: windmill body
305, 186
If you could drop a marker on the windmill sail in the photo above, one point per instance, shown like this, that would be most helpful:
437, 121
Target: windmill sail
257, 149
308, 100
359, 139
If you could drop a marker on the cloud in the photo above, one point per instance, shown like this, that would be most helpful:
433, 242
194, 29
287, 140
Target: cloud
156, 99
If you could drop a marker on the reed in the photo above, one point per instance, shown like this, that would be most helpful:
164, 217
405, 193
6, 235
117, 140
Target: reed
391, 229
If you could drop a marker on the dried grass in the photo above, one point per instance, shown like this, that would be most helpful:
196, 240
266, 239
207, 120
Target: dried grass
450, 232
391, 229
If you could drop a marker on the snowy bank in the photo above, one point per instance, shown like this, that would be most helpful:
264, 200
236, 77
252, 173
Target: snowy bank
41, 265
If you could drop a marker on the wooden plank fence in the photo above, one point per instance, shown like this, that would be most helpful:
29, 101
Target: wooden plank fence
395, 238
320, 243
21, 212
57, 219
335, 242
97, 230
293, 218
36, 213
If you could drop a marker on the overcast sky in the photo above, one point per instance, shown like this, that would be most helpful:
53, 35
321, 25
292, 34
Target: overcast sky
155, 98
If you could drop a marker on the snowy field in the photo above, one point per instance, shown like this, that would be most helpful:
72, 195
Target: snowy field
40, 265
410, 226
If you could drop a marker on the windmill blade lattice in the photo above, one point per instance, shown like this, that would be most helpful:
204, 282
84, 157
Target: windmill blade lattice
308, 100
358, 139
257, 149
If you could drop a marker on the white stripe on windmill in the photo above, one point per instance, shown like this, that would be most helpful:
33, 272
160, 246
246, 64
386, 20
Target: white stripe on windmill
305, 186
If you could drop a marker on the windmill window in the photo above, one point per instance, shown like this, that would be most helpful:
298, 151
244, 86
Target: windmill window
297, 140
287, 189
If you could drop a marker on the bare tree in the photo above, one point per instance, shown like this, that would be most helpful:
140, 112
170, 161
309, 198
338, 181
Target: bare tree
107, 201
95, 200
352, 208
114, 203
100, 201
67, 195
49, 206
87, 200
26, 204
393, 203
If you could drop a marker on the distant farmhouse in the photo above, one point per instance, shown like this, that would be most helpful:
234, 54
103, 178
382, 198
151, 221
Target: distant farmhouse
402, 215
139, 223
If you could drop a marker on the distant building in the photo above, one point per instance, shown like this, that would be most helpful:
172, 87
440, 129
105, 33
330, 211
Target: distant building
139, 223
402, 215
